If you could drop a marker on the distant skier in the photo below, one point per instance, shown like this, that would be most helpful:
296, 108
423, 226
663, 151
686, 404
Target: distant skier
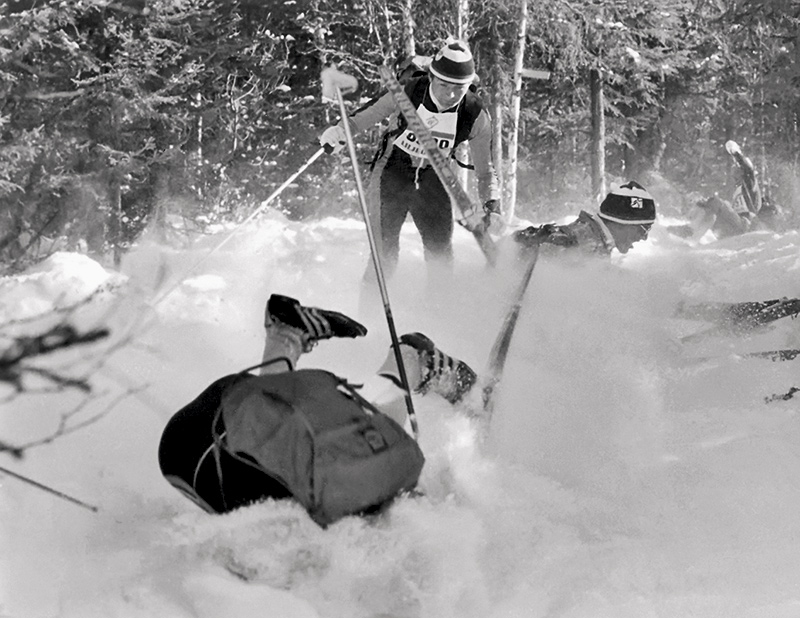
407, 183
625, 217
749, 210
204, 457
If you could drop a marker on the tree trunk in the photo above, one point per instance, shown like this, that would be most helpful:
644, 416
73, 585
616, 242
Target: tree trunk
462, 150
516, 100
115, 216
197, 153
115, 231
409, 44
497, 142
462, 19
598, 145
160, 180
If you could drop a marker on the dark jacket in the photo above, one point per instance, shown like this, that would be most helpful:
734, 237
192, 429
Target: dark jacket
587, 235
474, 127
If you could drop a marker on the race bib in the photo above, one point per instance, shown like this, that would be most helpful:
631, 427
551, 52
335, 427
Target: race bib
442, 126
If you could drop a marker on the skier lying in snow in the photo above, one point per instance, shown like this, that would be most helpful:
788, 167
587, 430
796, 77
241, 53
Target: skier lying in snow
305, 434
625, 217
749, 210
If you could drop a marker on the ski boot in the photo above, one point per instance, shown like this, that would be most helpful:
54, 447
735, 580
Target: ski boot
428, 369
309, 323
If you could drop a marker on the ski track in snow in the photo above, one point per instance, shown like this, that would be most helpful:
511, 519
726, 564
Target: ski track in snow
620, 478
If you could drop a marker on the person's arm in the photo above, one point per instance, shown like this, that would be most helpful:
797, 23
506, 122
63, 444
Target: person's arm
751, 192
372, 113
480, 143
549, 233
379, 108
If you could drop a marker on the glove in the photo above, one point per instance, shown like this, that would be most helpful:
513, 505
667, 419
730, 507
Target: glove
554, 235
732, 148
491, 207
333, 139
529, 237
547, 233
489, 219
474, 220
493, 217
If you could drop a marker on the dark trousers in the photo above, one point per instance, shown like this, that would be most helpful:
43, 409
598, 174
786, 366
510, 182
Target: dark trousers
210, 476
403, 190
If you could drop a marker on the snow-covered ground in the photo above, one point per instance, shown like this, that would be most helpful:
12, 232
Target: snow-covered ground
621, 478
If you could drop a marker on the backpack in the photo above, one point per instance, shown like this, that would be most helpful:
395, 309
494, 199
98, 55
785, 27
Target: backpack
309, 430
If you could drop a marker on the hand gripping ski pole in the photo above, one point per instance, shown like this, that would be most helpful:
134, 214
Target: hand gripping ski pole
398, 357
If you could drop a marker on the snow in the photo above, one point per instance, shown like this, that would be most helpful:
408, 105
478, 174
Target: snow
621, 477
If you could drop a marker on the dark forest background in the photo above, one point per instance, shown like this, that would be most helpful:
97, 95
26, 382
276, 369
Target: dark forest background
174, 115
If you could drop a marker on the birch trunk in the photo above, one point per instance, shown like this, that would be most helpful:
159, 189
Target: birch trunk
497, 142
462, 19
598, 145
462, 32
409, 44
516, 101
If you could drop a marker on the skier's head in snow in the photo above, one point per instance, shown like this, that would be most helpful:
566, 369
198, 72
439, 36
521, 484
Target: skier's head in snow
452, 71
629, 212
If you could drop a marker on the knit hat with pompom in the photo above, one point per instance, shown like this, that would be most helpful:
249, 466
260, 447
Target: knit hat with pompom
453, 63
630, 204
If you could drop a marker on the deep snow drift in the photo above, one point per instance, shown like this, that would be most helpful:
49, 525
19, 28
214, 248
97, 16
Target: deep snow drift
621, 478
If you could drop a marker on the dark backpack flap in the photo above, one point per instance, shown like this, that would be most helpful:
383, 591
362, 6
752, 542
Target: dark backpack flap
335, 457
262, 427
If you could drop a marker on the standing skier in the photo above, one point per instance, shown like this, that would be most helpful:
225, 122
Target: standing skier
407, 182
625, 217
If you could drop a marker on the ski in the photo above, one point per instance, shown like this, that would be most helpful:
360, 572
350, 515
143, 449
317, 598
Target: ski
502, 343
775, 356
439, 163
737, 318
751, 312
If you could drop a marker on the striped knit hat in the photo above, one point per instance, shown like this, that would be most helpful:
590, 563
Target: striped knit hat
453, 63
630, 204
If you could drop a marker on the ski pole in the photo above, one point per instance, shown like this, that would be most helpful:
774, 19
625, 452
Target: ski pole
258, 210
55, 492
376, 261
497, 357
286, 183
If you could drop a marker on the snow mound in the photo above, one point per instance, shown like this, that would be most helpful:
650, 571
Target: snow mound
59, 283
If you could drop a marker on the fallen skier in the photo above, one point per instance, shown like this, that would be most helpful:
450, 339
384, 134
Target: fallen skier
306, 434
625, 217
748, 210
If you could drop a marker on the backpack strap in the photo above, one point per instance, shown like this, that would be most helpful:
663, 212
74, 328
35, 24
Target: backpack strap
466, 166
218, 433
270, 362
216, 447
350, 390
383, 145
